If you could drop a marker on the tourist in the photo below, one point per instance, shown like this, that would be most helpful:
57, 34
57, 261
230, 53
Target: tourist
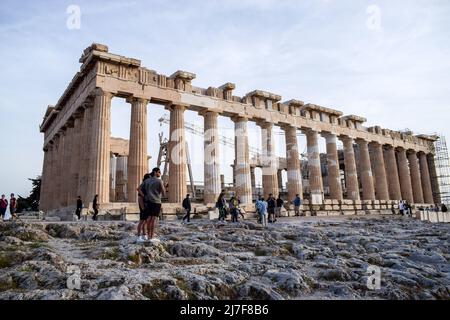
444, 208
401, 207
221, 204
271, 205
187, 208
142, 235
297, 203
436, 208
408, 209
95, 206
261, 208
13, 206
153, 189
234, 209
3, 206
79, 207
280, 204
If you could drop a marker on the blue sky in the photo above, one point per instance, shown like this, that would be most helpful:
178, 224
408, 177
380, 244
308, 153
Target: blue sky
395, 72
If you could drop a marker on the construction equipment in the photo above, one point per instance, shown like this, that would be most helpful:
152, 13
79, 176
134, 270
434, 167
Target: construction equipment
442, 161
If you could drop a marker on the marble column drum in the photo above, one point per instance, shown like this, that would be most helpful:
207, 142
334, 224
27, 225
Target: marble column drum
294, 171
351, 174
137, 156
211, 158
334, 176
368, 189
377, 159
405, 177
177, 155
242, 161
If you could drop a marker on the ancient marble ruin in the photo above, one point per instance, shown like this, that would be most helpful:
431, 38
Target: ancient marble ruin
79, 154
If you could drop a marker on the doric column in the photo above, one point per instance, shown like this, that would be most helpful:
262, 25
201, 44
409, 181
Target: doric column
434, 179
85, 152
98, 176
280, 179
415, 177
395, 192
45, 178
177, 155
334, 176
425, 178
137, 157
351, 174
377, 159
242, 161
269, 161
294, 170
112, 178
211, 158
75, 161
405, 177
67, 165
253, 177
121, 178
61, 200
366, 170
314, 169
54, 173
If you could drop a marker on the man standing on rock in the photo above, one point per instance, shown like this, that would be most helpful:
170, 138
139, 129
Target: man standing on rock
187, 208
280, 204
153, 189
13, 206
142, 236
297, 203
3, 206
271, 204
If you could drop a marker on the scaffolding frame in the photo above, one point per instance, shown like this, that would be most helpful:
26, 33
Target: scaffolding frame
442, 160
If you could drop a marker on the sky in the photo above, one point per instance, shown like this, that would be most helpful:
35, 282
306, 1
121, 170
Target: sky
388, 61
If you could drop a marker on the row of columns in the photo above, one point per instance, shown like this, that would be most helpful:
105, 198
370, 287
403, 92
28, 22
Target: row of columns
80, 158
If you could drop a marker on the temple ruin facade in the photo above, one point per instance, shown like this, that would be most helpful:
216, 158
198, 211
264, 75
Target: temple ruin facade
81, 158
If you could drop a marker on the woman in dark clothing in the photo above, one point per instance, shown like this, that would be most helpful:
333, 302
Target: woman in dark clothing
221, 204
95, 207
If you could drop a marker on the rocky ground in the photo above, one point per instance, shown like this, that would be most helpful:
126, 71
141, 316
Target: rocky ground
294, 259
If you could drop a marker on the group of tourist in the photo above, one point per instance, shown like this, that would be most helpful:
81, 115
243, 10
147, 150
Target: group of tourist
80, 206
4, 206
406, 209
233, 207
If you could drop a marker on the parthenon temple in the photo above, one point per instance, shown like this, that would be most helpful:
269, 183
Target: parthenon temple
380, 166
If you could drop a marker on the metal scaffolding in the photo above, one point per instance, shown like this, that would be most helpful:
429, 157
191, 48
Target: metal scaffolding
443, 169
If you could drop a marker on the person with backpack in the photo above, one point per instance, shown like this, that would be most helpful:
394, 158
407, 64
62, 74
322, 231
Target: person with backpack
221, 204
153, 189
271, 205
3, 206
187, 208
297, 203
444, 208
234, 209
261, 208
141, 230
